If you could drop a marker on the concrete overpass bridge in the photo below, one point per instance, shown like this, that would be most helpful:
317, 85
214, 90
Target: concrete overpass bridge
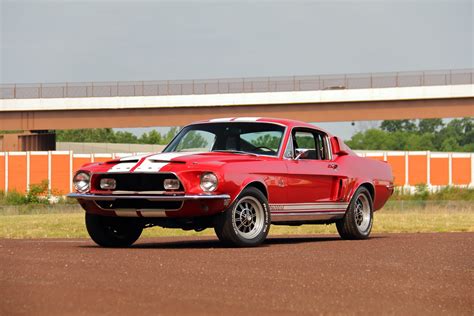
408, 95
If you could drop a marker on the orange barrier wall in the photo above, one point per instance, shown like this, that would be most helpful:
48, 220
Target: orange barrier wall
2, 171
398, 168
439, 171
61, 175
18, 170
38, 167
417, 169
462, 170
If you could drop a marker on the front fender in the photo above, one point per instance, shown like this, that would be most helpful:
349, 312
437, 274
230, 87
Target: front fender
259, 183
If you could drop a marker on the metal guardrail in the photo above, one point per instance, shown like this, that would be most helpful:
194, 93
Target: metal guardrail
242, 85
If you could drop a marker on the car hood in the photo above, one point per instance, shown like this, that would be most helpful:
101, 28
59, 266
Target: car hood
154, 162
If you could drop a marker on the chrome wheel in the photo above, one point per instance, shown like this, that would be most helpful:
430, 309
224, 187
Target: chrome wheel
246, 222
362, 213
248, 217
357, 222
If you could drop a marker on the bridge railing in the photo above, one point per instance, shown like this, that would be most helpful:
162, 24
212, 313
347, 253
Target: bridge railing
236, 85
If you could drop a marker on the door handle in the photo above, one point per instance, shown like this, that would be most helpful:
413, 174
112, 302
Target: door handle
332, 165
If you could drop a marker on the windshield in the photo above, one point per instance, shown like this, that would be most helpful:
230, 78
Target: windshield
251, 138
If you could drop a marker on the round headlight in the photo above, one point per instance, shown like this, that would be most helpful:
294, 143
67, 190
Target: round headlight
208, 182
81, 181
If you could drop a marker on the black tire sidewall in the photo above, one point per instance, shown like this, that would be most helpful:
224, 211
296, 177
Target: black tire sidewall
347, 226
365, 192
97, 227
225, 228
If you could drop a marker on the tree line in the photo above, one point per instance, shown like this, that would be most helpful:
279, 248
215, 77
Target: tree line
108, 135
426, 134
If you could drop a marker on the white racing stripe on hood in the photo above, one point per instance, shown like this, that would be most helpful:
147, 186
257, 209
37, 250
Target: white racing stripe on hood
149, 166
124, 165
135, 157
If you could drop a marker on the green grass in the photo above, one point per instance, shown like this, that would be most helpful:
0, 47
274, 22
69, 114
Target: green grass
396, 217
422, 193
66, 226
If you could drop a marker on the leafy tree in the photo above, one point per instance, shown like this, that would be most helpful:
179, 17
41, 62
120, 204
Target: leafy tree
192, 140
125, 138
428, 134
170, 135
153, 137
374, 139
2, 132
306, 142
103, 135
430, 125
450, 144
398, 125
268, 141
108, 135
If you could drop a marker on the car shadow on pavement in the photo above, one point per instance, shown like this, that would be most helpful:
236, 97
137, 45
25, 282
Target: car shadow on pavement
214, 243
210, 242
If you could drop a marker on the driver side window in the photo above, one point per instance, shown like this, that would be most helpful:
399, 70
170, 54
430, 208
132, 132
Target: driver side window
310, 144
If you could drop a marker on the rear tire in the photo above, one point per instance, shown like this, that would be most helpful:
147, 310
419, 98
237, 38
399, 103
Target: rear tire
246, 222
107, 231
359, 217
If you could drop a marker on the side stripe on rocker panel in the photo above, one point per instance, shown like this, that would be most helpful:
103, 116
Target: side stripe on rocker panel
302, 207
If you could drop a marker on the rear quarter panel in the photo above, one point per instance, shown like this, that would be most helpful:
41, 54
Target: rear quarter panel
359, 171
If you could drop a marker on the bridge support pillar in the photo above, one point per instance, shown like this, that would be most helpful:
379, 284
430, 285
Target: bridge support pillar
28, 141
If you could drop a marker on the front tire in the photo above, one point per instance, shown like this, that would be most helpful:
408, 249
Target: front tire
109, 231
246, 222
358, 220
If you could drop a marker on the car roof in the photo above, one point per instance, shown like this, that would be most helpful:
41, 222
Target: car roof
286, 122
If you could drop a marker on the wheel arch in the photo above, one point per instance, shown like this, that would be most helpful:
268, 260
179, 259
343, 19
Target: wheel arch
258, 185
362, 184
370, 187
254, 183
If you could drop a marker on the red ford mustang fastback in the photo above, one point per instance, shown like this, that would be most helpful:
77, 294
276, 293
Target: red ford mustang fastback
238, 176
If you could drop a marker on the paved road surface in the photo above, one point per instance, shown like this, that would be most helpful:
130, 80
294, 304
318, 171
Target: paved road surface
391, 273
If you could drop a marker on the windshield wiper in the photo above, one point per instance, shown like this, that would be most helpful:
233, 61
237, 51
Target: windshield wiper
234, 152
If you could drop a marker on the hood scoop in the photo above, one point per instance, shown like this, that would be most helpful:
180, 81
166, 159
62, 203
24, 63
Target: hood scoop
116, 162
165, 161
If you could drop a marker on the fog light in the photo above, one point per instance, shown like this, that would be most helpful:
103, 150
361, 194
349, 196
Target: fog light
171, 184
108, 184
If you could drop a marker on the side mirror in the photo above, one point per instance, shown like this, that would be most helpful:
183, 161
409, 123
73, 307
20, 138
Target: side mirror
338, 146
301, 153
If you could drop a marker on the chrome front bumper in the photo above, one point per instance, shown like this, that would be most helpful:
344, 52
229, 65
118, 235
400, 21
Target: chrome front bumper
100, 197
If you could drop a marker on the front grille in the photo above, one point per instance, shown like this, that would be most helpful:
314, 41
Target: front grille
139, 204
137, 181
